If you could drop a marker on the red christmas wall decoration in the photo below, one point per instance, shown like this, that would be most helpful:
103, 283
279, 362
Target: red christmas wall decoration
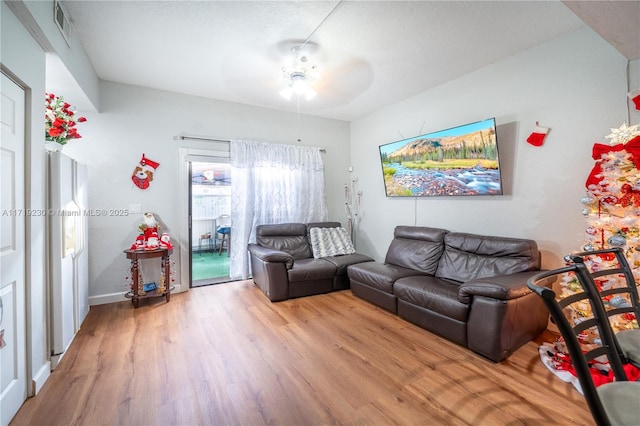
537, 137
143, 173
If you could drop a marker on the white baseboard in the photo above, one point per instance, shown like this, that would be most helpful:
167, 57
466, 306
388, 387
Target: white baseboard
102, 299
40, 378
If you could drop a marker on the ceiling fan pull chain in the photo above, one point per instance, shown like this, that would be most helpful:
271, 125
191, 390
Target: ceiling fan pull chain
298, 118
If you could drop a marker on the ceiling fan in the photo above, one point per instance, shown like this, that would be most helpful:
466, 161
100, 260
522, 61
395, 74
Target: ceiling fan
299, 68
300, 73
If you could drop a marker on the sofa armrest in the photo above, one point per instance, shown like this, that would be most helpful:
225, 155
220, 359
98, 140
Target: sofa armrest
269, 270
503, 315
267, 254
501, 287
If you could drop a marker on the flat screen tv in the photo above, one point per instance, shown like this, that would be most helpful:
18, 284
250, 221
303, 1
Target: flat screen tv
462, 160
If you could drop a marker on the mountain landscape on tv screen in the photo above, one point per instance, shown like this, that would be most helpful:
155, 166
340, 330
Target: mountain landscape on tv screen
465, 164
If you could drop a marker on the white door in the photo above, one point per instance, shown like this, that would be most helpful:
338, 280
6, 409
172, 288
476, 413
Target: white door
13, 382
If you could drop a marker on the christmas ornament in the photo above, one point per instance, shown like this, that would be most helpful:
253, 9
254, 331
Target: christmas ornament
139, 244
587, 200
165, 241
619, 302
536, 138
143, 173
153, 242
148, 225
623, 134
630, 196
617, 241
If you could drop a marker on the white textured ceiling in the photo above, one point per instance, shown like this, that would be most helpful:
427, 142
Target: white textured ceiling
369, 53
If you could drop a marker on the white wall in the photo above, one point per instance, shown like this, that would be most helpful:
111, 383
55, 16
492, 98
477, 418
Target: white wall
135, 120
23, 58
634, 84
75, 59
575, 84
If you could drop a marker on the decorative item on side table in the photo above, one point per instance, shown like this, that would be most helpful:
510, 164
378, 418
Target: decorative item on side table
148, 246
59, 123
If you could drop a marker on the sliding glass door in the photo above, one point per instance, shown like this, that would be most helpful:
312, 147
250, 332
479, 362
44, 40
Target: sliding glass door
210, 211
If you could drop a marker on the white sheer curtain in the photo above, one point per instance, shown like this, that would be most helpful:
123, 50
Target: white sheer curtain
272, 183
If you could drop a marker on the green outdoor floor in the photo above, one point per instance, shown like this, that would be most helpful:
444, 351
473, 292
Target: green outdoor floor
209, 266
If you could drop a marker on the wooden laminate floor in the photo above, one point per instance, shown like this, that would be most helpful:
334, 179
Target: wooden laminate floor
225, 355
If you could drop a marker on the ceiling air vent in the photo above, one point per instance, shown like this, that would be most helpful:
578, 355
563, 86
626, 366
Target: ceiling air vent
62, 21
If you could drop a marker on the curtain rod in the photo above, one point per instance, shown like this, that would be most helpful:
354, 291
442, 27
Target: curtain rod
205, 138
202, 138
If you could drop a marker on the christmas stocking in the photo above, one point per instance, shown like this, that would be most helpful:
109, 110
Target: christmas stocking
143, 173
536, 138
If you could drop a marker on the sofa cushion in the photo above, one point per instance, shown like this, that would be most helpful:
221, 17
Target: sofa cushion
322, 225
417, 248
377, 275
469, 256
311, 269
342, 262
330, 242
287, 237
433, 294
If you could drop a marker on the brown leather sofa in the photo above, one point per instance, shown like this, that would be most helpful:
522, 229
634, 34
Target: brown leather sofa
283, 265
470, 289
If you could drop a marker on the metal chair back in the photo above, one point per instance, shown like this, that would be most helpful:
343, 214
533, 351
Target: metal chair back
584, 357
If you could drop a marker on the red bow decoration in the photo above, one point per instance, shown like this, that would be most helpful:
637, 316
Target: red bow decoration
632, 147
630, 197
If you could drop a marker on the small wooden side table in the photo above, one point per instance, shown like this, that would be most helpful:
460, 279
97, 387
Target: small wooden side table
165, 287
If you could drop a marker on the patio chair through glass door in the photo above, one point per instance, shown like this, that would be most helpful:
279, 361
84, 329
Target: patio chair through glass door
223, 233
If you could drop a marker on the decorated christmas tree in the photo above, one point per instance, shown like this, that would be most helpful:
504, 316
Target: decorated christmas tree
611, 208
612, 202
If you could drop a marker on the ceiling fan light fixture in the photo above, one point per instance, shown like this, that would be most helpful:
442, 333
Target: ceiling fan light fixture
299, 85
310, 93
287, 93
299, 71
